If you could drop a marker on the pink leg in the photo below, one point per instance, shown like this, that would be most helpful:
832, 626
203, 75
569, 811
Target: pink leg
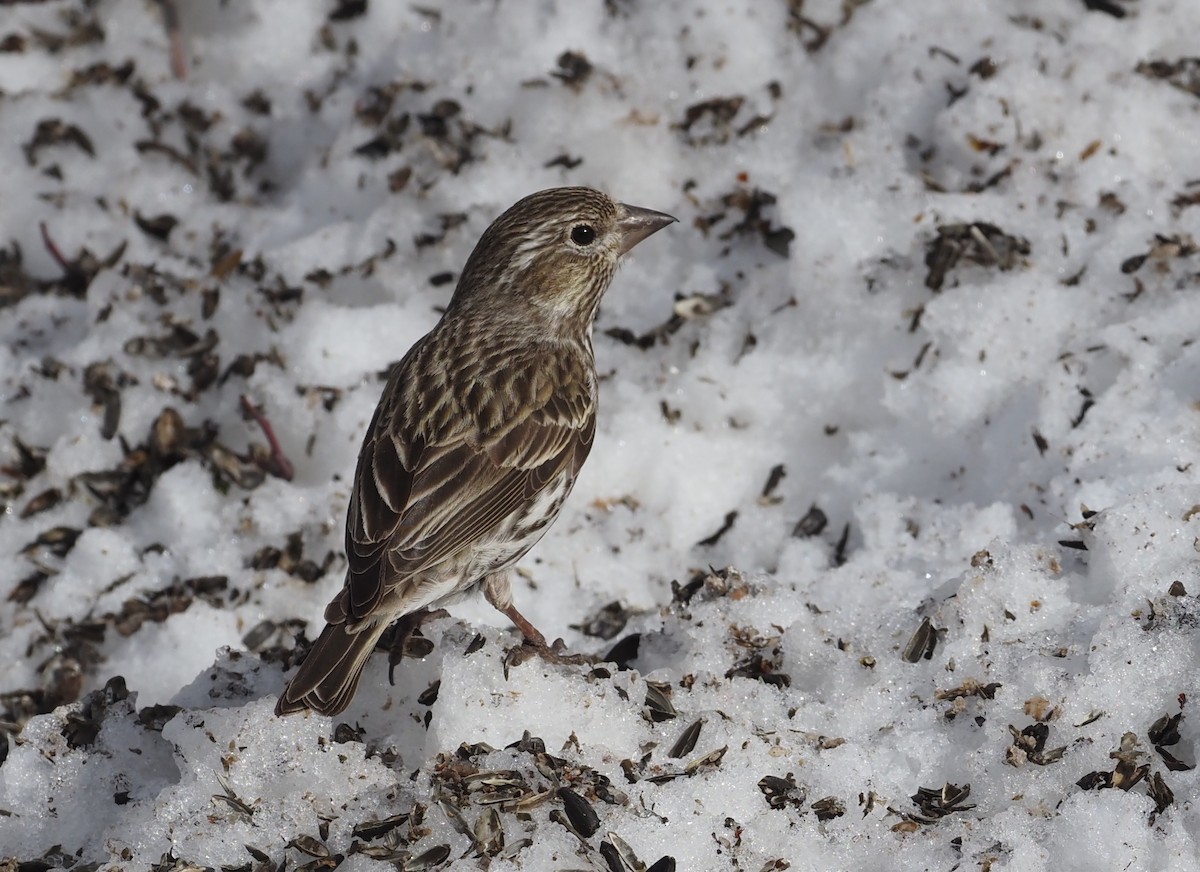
498, 592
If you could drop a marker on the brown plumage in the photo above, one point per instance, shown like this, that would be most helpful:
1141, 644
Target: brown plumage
479, 435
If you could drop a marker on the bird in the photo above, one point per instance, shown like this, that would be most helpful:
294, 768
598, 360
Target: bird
479, 434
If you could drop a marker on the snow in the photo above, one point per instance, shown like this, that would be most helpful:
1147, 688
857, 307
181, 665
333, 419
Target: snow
928, 325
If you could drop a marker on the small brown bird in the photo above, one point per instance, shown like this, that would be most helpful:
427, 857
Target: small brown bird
479, 435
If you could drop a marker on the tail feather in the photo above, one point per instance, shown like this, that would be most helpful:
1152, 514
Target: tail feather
330, 673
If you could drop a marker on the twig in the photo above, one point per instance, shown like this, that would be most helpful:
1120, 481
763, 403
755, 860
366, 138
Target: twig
175, 35
279, 464
55, 251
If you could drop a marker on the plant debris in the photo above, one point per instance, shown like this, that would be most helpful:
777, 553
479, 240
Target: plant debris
978, 243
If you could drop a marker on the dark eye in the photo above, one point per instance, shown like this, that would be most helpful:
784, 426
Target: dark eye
583, 234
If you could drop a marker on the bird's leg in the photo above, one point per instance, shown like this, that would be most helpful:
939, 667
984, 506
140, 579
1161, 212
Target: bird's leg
498, 592
401, 630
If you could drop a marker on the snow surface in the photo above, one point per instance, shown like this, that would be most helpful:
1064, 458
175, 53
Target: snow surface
1000, 429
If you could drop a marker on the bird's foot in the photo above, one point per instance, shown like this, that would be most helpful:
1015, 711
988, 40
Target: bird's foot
403, 641
499, 595
556, 653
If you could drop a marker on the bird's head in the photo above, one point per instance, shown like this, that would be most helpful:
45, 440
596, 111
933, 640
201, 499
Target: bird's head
552, 255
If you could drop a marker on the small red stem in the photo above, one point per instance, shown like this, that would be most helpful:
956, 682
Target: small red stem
55, 251
283, 466
175, 37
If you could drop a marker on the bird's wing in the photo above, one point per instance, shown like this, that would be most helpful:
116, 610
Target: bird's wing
423, 491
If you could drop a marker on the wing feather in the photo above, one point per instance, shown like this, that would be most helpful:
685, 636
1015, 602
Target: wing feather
425, 493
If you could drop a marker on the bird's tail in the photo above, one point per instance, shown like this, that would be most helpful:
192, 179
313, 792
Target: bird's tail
329, 674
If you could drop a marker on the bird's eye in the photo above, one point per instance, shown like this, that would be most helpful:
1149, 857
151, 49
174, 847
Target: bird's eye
583, 234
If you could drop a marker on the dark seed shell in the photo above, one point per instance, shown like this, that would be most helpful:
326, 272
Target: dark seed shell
579, 812
370, 830
659, 702
686, 742
922, 643
435, 856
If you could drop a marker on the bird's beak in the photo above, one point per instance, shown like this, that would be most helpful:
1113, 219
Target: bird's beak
636, 223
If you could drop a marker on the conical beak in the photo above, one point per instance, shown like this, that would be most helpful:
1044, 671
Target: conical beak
636, 223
